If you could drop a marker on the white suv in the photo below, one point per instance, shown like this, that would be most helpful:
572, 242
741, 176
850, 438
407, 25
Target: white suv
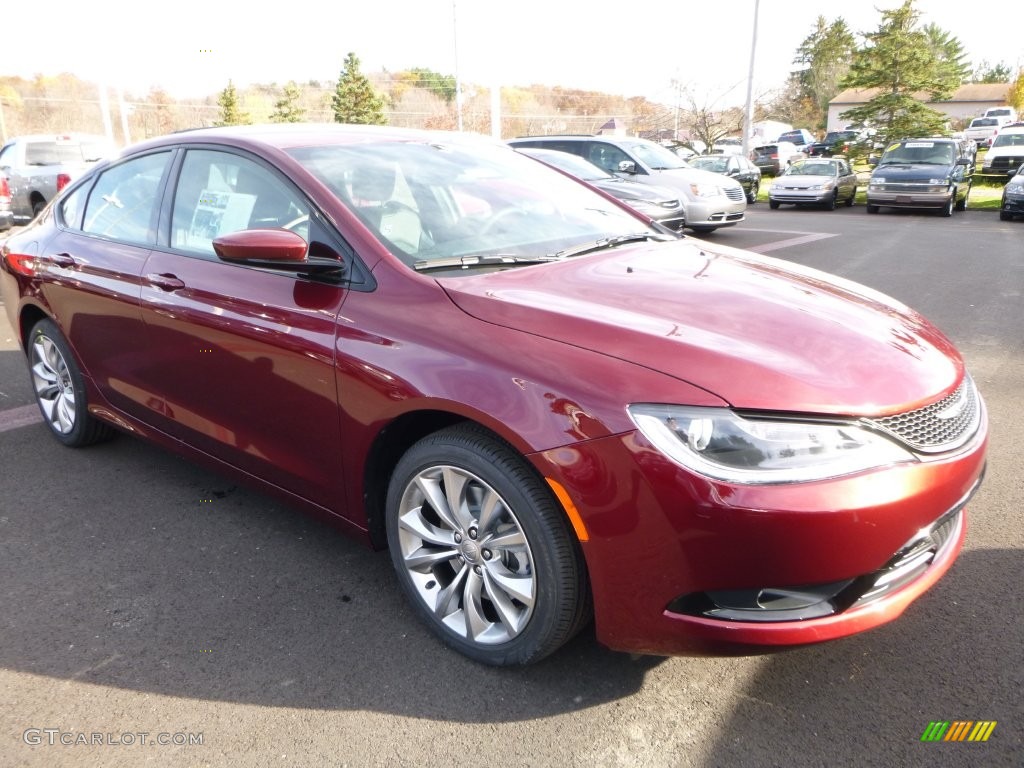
1007, 151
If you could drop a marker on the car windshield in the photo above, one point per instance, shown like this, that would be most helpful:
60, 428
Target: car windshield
918, 152
656, 156
983, 122
466, 203
839, 136
1008, 140
811, 169
713, 163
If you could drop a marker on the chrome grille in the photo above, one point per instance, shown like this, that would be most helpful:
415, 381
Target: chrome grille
734, 193
940, 426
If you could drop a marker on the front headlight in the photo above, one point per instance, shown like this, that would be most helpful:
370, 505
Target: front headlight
1015, 189
646, 208
706, 190
721, 444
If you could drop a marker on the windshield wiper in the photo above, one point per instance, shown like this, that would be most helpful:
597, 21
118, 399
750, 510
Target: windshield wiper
610, 242
477, 260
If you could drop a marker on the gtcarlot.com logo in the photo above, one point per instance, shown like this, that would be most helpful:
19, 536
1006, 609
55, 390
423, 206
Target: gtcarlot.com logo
958, 730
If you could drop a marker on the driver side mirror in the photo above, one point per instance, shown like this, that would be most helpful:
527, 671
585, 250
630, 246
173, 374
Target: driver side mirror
627, 166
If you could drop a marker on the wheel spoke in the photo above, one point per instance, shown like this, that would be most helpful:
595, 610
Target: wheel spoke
449, 596
507, 540
429, 534
515, 586
490, 512
431, 489
455, 488
425, 558
472, 606
510, 615
66, 412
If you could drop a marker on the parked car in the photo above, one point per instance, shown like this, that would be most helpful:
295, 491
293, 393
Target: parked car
834, 143
1006, 153
774, 158
736, 167
709, 201
38, 167
1012, 203
825, 182
541, 404
922, 173
658, 203
982, 130
800, 137
1004, 114
6, 214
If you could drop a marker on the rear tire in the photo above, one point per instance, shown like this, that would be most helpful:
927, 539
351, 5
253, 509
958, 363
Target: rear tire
60, 388
483, 550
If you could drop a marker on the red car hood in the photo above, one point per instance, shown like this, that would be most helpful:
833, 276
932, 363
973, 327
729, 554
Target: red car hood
758, 332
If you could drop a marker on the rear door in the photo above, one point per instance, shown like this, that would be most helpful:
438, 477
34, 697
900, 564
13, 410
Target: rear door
104, 234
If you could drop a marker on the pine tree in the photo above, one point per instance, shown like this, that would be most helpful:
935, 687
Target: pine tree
900, 62
354, 99
287, 109
230, 113
824, 59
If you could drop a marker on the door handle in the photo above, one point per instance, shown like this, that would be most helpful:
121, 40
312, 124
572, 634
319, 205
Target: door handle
165, 282
63, 260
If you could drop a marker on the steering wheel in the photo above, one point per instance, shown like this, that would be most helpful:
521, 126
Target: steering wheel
500, 216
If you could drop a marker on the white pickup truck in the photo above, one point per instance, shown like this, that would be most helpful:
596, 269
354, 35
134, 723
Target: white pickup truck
38, 167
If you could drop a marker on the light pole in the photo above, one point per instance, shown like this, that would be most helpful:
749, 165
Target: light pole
748, 121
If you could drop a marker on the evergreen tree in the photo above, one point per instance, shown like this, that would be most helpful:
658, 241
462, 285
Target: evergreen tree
230, 112
950, 53
354, 99
992, 73
900, 62
287, 109
824, 59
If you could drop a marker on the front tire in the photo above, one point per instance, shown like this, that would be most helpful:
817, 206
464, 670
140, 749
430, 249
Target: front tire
482, 549
871, 208
60, 388
947, 209
830, 203
752, 194
774, 204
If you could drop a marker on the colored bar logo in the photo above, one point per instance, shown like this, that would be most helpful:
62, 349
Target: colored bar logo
958, 730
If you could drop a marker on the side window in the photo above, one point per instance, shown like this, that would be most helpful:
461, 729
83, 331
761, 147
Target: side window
606, 156
123, 202
72, 205
220, 192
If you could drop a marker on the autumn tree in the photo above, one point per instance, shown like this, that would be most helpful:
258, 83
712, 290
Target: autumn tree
354, 99
287, 108
900, 62
230, 111
1015, 96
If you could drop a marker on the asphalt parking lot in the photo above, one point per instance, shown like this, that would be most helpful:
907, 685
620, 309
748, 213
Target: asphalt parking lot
149, 601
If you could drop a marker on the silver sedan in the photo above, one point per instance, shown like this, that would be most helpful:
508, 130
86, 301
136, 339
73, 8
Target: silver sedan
825, 182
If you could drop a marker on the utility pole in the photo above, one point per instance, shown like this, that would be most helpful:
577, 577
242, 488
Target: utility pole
458, 82
748, 121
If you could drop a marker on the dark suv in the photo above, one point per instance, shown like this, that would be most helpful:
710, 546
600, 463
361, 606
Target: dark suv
922, 173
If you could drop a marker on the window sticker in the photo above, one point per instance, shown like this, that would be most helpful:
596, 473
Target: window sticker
218, 213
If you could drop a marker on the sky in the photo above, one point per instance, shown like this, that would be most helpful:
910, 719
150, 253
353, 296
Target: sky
193, 47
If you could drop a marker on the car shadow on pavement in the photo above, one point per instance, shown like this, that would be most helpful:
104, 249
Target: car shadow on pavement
125, 566
867, 700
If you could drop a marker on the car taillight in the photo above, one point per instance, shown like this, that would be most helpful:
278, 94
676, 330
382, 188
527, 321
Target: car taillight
5, 189
21, 263
62, 181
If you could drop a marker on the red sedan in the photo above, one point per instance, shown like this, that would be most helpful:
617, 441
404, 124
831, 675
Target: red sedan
545, 405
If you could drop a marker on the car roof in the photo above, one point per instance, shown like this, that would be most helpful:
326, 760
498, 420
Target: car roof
292, 135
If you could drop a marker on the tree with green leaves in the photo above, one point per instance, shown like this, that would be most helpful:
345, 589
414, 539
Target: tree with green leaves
354, 99
230, 111
823, 59
949, 51
287, 109
900, 63
992, 73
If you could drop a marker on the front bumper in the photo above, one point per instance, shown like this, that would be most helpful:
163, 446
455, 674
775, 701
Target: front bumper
715, 211
799, 195
661, 538
1013, 205
909, 198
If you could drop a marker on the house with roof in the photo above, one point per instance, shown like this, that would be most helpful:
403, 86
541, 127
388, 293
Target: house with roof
966, 102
